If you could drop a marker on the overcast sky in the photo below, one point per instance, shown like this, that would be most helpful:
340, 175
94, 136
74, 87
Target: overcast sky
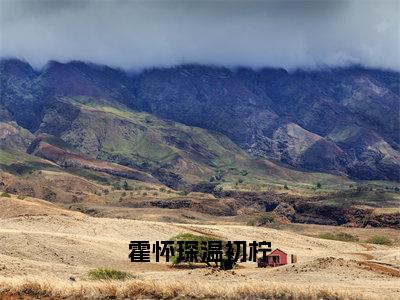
137, 34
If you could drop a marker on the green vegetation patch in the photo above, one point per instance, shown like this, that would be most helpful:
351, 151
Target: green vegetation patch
98, 177
19, 163
339, 236
263, 218
108, 274
379, 240
190, 237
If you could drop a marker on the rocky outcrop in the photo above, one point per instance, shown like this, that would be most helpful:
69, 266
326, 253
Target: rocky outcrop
316, 209
14, 137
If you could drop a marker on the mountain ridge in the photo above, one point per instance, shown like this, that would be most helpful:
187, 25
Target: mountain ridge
341, 121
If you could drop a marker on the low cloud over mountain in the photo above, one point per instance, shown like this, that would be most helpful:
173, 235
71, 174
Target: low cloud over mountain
137, 34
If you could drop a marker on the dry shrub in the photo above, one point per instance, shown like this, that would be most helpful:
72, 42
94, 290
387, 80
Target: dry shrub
149, 289
34, 289
107, 290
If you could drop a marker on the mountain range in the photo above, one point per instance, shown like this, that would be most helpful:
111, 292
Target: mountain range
191, 123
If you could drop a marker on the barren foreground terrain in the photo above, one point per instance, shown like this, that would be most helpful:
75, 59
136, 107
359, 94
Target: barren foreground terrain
47, 251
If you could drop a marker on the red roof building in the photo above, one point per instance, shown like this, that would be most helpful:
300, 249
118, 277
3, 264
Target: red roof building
274, 259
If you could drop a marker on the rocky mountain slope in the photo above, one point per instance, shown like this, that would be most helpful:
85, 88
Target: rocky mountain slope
340, 121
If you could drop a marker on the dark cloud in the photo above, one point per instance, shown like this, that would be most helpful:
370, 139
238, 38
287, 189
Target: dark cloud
137, 34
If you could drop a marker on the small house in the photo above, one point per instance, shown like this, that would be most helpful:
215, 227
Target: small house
274, 259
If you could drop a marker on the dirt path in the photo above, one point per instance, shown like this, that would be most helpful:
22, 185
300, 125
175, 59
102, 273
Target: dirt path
368, 247
365, 256
379, 267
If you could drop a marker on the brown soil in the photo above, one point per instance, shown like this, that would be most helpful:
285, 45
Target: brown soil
40, 239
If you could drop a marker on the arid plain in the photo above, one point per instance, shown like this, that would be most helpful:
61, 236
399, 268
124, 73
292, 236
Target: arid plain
47, 251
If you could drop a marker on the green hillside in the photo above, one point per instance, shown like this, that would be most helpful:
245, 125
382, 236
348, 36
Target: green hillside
178, 154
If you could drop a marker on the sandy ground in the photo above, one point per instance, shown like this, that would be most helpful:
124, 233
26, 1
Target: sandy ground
46, 241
